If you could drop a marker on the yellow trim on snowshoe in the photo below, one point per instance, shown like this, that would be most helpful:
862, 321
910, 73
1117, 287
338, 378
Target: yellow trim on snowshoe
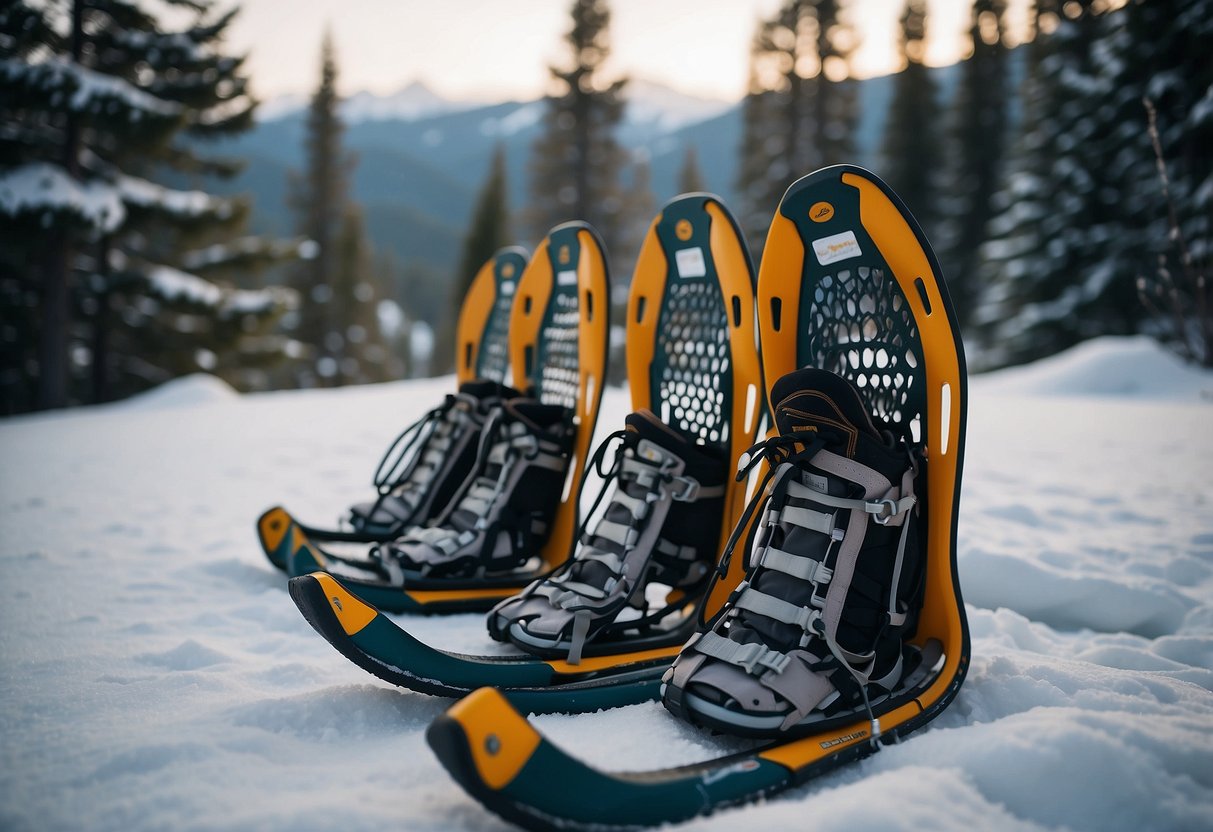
500, 741
473, 315
352, 613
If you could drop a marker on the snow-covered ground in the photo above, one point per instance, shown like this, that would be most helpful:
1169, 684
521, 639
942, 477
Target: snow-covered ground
154, 674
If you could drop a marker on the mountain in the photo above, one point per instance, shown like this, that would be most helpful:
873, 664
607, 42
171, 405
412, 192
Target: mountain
421, 159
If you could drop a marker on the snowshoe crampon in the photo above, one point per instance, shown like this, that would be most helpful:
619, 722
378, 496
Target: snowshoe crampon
692, 355
427, 462
848, 284
558, 347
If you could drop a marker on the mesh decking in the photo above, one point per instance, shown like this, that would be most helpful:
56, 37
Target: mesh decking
857, 323
695, 374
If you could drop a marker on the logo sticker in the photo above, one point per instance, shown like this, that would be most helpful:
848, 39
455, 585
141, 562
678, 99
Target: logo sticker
821, 211
507, 287
682, 229
568, 277
564, 255
507, 270
836, 247
690, 262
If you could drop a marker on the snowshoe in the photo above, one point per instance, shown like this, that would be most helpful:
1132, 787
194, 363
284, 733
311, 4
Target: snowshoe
814, 634
557, 348
659, 531
427, 462
696, 388
848, 285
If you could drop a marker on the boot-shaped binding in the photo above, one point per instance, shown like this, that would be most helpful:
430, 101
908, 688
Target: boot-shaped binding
500, 517
833, 582
429, 460
660, 527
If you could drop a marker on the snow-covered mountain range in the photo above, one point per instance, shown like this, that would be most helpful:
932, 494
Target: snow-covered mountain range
649, 103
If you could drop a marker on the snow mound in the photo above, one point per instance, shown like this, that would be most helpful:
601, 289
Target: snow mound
1135, 366
187, 391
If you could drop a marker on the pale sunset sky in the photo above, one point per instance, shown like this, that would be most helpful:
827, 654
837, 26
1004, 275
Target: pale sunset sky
497, 49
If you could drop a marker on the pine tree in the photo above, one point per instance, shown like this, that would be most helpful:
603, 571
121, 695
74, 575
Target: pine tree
690, 179
92, 248
911, 152
976, 148
336, 322
801, 110
1036, 250
1084, 214
488, 231
1160, 52
576, 161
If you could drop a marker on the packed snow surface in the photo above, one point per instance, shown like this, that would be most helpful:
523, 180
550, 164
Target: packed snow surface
155, 674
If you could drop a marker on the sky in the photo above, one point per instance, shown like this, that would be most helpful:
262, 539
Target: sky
488, 50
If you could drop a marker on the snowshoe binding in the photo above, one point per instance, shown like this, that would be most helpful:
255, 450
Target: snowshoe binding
430, 459
504, 510
659, 531
815, 632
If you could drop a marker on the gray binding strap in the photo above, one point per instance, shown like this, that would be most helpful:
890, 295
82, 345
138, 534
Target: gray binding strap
806, 569
884, 509
754, 601
623, 534
806, 518
755, 657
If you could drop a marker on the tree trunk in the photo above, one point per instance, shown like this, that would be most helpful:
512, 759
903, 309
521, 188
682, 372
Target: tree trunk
56, 309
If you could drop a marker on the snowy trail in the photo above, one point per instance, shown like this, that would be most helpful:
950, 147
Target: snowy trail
157, 676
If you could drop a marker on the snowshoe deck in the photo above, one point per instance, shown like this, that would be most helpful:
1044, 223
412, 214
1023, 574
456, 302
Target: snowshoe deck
481, 352
849, 284
558, 346
672, 312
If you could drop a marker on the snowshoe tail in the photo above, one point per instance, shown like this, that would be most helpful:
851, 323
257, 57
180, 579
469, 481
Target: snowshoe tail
848, 284
482, 333
709, 303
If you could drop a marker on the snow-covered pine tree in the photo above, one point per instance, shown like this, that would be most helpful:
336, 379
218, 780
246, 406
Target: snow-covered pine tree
1160, 50
977, 140
338, 293
912, 148
1084, 216
99, 102
576, 162
488, 231
801, 109
1036, 264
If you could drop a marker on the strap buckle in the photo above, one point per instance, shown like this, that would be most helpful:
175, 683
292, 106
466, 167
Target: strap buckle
884, 511
689, 489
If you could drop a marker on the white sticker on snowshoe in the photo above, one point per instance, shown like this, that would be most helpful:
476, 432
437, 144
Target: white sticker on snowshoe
690, 262
507, 287
568, 277
818, 484
836, 247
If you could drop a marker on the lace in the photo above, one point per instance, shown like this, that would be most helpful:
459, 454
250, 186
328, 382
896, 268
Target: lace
413, 458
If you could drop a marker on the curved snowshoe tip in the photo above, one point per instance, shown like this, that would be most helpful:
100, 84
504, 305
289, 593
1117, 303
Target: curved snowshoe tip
272, 529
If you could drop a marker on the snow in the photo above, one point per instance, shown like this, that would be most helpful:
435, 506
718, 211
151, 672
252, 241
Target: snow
1109, 366
88, 89
41, 187
173, 284
156, 674
136, 191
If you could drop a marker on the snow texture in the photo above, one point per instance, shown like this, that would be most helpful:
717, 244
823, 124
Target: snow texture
44, 188
157, 676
